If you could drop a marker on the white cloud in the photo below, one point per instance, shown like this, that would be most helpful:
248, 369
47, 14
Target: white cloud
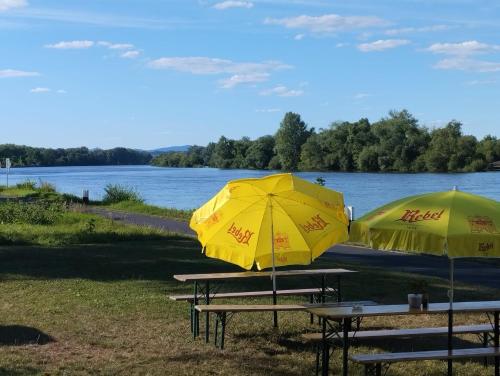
233, 4
328, 23
466, 64
282, 91
6, 73
40, 90
116, 46
130, 54
68, 45
61, 91
424, 29
362, 96
268, 110
299, 37
238, 79
466, 48
207, 65
11, 4
481, 82
239, 72
340, 45
382, 44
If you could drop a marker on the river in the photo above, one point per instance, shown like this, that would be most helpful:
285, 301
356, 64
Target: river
186, 188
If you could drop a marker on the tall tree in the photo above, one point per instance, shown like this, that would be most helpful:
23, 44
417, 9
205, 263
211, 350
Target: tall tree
291, 135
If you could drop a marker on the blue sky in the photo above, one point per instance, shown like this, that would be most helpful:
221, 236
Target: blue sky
152, 73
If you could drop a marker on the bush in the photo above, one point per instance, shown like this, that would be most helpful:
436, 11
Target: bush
46, 187
28, 184
39, 213
118, 193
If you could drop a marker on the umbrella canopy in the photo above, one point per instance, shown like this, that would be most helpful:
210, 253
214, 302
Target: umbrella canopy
452, 223
272, 221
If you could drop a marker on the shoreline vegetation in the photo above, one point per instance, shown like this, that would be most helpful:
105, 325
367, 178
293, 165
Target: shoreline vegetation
396, 143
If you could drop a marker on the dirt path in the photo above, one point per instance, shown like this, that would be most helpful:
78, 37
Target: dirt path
143, 220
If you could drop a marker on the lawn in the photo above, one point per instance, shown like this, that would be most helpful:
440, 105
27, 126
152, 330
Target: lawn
103, 309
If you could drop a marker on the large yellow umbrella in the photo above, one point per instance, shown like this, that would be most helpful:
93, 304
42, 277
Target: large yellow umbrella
453, 223
272, 221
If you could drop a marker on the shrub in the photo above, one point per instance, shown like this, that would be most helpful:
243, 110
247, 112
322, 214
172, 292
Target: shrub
36, 213
117, 193
46, 187
27, 184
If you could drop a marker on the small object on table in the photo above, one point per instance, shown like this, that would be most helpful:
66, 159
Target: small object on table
415, 300
357, 307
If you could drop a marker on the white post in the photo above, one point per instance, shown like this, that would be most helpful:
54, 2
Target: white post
7, 167
350, 213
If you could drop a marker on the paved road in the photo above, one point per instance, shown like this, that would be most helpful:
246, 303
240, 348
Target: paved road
465, 270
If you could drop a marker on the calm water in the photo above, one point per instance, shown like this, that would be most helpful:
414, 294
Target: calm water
185, 188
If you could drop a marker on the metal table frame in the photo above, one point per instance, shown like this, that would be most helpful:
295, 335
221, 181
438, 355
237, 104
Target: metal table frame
209, 284
331, 327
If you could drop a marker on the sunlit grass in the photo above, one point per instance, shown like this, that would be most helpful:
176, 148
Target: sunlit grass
106, 309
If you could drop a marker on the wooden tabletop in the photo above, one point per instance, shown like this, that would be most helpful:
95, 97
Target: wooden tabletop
279, 273
404, 309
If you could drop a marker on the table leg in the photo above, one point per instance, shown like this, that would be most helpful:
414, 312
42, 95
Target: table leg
346, 326
497, 340
194, 314
223, 330
450, 340
324, 350
207, 314
275, 313
323, 288
339, 291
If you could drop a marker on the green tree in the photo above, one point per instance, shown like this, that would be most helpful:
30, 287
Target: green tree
260, 152
290, 137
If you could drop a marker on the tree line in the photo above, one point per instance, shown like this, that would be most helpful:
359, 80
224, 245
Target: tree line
27, 156
396, 143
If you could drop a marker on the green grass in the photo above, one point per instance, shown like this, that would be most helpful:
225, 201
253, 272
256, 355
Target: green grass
75, 228
142, 208
103, 309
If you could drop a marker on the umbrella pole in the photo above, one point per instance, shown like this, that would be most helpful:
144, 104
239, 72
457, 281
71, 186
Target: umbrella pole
450, 318
275, 299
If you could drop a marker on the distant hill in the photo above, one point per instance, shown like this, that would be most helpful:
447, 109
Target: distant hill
168, 149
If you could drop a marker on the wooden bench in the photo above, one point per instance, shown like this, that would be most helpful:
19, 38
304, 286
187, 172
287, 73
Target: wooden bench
221, 311
480, 329
250, 294
373, 362
483, 329
314, 294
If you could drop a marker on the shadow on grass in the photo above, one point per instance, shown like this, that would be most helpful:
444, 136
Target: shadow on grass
147, 259
18, 371
18, 335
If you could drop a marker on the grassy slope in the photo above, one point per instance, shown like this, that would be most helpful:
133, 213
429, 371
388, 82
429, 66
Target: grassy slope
106, 308
142, 208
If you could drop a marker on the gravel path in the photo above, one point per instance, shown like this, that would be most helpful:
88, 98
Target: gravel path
469, 271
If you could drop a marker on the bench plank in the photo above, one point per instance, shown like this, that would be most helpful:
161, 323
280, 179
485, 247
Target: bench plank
247, 294
480, 352
269, 307
395, 333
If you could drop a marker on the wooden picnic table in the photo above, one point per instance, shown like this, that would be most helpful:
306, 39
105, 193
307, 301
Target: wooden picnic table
203, 281
347, 314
